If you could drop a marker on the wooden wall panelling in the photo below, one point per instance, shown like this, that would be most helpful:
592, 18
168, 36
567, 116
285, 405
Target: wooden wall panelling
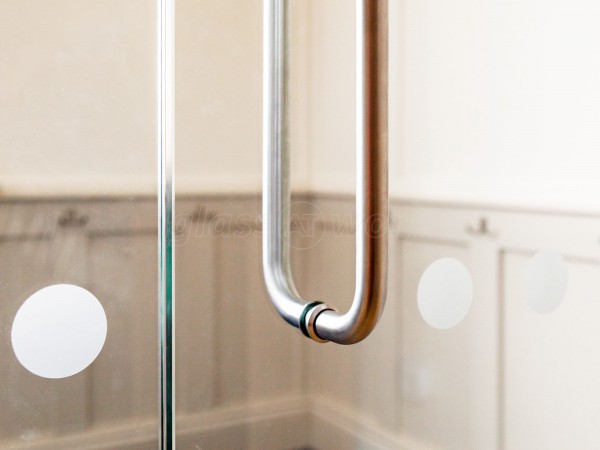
231, 317
276, 363
331, 370
551, 361
437, 369
197, 262
123, 275
28, 403
503, 378
68, 263
484, 328
37, 253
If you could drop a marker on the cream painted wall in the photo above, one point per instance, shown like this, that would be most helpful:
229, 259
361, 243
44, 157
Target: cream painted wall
219, 95
331, 94
77, 96
502, 100
489, 101
218, 86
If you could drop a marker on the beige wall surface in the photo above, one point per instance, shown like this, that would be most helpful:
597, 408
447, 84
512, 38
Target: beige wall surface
219, 95
493, 102
78, 96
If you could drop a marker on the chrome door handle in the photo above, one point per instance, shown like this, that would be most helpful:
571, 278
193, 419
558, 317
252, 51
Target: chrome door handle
317, 320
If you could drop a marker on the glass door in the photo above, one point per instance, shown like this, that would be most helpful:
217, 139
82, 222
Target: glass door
78, 225
489, 336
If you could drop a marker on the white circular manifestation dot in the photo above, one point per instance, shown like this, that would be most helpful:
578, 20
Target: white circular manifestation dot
59, 331
445, 293
546, 279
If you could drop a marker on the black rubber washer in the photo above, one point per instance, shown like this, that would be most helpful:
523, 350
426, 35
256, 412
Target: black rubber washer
305, 311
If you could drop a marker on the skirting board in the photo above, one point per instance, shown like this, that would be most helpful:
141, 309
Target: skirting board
283, 424
332, 426
277, 424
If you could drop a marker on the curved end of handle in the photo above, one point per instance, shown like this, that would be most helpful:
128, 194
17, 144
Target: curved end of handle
317, 320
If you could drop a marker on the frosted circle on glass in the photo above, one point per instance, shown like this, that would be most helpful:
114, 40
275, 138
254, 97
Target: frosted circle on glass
445, 293
59, 331
546, 279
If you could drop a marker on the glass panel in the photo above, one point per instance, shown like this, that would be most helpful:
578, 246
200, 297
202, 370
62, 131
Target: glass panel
489, 337
239, 369
78, 233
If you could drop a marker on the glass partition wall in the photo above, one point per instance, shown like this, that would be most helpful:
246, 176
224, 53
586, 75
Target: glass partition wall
489, 336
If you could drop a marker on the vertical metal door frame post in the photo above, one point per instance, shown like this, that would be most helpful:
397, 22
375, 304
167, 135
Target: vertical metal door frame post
166, 209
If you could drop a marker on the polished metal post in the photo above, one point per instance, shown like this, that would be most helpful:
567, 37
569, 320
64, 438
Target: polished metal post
318, 320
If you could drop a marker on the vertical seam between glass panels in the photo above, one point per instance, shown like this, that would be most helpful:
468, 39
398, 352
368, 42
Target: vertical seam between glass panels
166, 300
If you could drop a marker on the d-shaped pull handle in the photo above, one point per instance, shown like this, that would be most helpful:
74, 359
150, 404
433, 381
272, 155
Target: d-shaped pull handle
318, 320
